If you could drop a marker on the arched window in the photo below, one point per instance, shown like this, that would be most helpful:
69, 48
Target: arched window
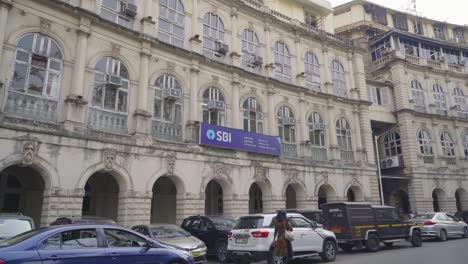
167, 109
253, 116
213, 37
171, 22
36, 81
251, 60
122, 12
316, 130
286, 124
425, 143
460, 101
343, 134
392, 144
339, 80
312, 72
439, 99
448, 149
213, 107
282, 61
110, 96
465, 144
417, 96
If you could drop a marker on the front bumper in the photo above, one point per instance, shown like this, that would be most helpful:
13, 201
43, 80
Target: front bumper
248, 255
430, 232
199, 259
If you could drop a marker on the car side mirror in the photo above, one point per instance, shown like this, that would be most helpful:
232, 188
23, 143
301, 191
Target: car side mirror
151, 244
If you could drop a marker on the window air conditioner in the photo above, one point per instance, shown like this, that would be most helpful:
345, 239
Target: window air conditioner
390, 162
172, 94
289, 121
114, 80
221, 48
257, 60
215, 105
131, 10
320, 126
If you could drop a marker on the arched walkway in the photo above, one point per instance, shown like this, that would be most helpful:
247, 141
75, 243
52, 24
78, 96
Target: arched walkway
255, 199
22, 190
461, 198
325, 194
354, 194
164, 201
214, 204
291, 199
438, 195
295, 196
101, 196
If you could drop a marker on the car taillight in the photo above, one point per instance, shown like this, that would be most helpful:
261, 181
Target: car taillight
260, 234
429, 223
229, 236
1, 261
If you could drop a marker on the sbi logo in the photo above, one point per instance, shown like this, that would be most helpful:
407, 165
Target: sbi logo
218, 136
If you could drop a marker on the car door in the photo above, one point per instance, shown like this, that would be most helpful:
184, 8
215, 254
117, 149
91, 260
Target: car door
78, 245
306, 239
457, 226
444, 223
126, 247
198, 227
384, 222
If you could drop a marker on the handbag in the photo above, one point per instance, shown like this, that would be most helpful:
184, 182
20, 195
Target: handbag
288, 234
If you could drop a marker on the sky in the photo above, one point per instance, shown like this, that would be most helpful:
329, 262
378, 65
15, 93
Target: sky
452, 11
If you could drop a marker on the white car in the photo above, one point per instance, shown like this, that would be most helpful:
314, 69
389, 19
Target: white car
252, 237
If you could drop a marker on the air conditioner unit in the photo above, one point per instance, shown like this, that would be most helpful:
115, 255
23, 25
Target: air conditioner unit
221, 48
318, 126
131, 10
289, 121
390, 162
257, 60
215, 105
114, 80
172, 94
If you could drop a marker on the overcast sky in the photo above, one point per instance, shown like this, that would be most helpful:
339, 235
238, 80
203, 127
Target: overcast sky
452, 11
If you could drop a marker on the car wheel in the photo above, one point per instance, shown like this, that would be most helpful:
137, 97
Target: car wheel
221, 252
388, 244
328, 251
465, 232
373, 243
443, 235
347, 248
416, 238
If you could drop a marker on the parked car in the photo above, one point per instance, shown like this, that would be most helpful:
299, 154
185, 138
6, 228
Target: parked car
175, 236
441, 225
462, 216
357, 224
213, 231
83, 220
12, 224
85, 243
252, 237
312, 215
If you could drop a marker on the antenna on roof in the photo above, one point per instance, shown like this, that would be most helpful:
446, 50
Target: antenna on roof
411, 8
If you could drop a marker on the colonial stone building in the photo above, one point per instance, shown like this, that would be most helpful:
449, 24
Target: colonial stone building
417, 81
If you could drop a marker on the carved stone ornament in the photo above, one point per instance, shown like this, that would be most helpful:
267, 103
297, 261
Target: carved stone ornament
325, 177
354, 179
108, 158
29, 153
115, 50
171, 160
220, 170
261, 172
293, 175
437, 182
45, 26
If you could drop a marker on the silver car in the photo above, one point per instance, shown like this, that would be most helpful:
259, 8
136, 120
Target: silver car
441, 225
175, 236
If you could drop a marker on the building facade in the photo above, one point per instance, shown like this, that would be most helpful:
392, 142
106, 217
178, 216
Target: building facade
417, 81
101, 104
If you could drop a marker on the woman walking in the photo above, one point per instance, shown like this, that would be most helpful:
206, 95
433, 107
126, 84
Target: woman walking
282, 239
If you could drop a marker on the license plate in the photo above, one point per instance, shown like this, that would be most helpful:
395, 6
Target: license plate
241, 240
195, 254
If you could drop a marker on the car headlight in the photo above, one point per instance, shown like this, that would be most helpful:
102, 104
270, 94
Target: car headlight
187, 254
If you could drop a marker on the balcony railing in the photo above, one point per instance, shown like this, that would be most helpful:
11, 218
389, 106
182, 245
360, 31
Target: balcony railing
318, 153
454, 67
107, 121
167, 131
37, 108
434, 63
347, 156
289, 150
428, 159
441, 112
462, 114
420, 108
450, 160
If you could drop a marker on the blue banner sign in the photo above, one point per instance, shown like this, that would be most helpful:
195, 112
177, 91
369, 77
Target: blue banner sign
236, 139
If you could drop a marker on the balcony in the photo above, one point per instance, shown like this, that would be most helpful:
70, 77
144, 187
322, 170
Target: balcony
28, 106
107, 121
289, 150
347, 156
166, 131
318, 153
462, 114
449, 160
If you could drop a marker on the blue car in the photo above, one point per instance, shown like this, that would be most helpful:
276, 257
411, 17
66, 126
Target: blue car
90, 244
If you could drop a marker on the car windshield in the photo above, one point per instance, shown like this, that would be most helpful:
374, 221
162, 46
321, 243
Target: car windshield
168, 231
224, 223
19, 238
424, 216
249, 223
12, 227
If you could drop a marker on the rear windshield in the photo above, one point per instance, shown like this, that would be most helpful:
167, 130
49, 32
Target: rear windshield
424, 216
19, 238
249, 223
13, 227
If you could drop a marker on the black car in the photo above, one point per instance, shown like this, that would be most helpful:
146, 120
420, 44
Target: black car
462, 216
83, 220
213, 231
12, 224
358, 224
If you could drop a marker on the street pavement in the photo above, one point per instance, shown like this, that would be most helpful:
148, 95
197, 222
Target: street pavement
453, 251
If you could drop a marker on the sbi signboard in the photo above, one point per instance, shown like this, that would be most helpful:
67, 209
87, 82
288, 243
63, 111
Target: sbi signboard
235, 139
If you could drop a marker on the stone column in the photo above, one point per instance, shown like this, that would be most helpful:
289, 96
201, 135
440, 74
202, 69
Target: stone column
327, 78
353, 87
192, 124
359, 75
5, 6
60, 203
271, 112
195, 42
188, 204
134, 208
235, 49
366, 133
400, 87
236, 114
75, 100
269, 60
300, 68
457, 136
334, 150
236, 205
142, 115
147, 23
302, 118
360, 154
408, 139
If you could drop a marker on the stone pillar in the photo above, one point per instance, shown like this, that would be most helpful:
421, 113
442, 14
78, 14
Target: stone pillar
236, 114
75, 100
400, 87
360, 155
458, 138
60, 203
142, 115
353, 88
366, 133
302, 118
147, 23
300, 68
334, 150
192, 127
272, 130
134, 208
327, 78
189, 204
236, 205
408, 139
195, 42
5, 6
359, 75
273, 203
268, 60
235, 49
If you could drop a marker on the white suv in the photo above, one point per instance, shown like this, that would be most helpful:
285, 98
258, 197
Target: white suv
252, 237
